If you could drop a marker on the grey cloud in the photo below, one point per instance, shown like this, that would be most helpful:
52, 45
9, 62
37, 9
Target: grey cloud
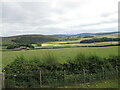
93, 30
92, 24
105, 15
34, 17
28, 13
108, 14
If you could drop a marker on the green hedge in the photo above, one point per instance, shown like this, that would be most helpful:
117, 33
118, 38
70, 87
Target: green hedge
82, 69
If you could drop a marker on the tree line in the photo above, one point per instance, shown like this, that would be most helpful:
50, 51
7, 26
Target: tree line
30, 40
12, 46
104, 39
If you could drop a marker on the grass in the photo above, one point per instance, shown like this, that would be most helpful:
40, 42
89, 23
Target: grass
58, 43
111, 83
62, 55
75, 43
108, 36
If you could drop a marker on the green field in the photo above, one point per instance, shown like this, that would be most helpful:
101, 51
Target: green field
76, 43
115, 35
62, 55
61, 50
111, 83
8, 40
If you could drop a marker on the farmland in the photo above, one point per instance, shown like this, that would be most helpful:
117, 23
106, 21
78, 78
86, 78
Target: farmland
112, 83
81, 67
62, 55
62, 62
59, 44
76, 43
58, 39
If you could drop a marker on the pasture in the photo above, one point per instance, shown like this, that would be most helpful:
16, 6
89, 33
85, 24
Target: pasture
76, 43
62, 55
111, 83
115, 35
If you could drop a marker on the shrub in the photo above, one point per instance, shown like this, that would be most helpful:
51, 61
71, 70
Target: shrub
25, 73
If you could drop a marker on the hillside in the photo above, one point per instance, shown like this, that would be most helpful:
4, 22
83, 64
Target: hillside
52, 38
28, 39
85, 34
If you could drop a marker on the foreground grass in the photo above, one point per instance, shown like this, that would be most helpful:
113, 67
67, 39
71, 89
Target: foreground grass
62, 55
111, 83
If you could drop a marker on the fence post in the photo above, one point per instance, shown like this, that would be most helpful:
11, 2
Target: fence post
84, 74
75, 81
117, 70
64, 77
103, 72
3, 80
40, 79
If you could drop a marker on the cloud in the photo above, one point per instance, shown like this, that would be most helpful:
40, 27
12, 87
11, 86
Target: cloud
58, 16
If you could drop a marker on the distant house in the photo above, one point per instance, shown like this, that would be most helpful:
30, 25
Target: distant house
22, 48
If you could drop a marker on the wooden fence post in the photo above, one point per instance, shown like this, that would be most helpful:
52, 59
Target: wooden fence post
40, 79
117, 70
84, 74
64, 77
3, 80
75, 81
103, 72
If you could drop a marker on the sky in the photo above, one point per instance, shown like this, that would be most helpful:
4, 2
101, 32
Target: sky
18, 17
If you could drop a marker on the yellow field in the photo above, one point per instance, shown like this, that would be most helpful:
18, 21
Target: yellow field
76, 44
74, 41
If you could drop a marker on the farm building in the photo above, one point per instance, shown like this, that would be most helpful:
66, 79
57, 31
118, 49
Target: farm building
22, 48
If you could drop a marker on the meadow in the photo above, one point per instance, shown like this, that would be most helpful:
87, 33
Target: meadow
85, 66
111, 83
62, 55
76, 43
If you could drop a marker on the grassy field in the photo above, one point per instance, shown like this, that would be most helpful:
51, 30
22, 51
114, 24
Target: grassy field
62, 55
116, 35
76, 43
111, 83
69, 41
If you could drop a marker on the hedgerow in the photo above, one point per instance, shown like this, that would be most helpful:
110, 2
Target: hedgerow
82, 69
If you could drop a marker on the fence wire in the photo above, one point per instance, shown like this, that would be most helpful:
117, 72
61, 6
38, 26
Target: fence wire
54, 79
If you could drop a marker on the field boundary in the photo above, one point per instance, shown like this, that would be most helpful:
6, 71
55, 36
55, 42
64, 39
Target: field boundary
57, 47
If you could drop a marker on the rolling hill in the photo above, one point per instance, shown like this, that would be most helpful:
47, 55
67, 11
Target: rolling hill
51, 38
28, 39
85, 34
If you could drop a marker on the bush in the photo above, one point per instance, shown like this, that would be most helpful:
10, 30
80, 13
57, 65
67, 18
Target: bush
83, 69
12, 46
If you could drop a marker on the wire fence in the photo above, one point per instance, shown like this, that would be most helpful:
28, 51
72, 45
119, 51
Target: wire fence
54, 79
